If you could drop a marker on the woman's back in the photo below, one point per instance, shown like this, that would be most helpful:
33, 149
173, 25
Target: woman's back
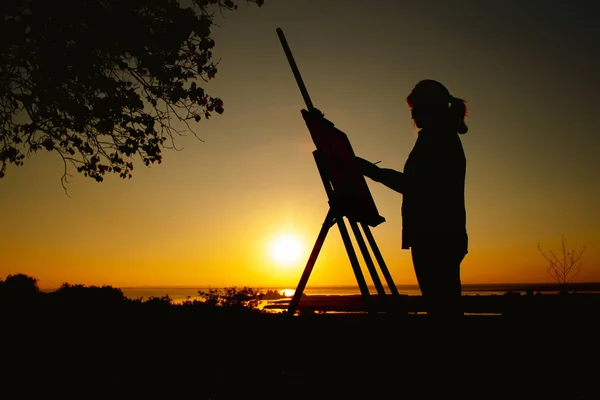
433, 199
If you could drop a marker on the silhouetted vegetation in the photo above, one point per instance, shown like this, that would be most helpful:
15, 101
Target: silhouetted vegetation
272, 294
88, 297
18, 289
20, 285
88, 339
101, 82
233, 298
564, 266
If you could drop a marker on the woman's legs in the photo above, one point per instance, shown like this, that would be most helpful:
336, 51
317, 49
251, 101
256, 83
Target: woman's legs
438, 273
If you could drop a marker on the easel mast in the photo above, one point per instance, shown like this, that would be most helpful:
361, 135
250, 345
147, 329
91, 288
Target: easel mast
315, 121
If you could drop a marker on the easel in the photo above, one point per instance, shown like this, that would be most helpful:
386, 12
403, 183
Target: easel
348, 196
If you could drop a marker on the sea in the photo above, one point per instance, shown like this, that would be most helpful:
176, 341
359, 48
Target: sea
181, 294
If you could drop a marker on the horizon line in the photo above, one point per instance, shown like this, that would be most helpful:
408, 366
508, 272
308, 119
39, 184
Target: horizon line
416, 285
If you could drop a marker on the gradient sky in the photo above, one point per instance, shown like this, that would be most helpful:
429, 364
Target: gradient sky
207, 214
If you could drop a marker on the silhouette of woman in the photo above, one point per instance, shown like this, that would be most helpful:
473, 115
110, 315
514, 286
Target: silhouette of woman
433, 200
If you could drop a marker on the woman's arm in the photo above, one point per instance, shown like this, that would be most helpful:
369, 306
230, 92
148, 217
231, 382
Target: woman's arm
391, 178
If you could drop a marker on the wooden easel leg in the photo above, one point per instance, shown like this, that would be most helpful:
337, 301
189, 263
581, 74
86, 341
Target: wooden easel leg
368, 261
328, 223
380, 261
362, 284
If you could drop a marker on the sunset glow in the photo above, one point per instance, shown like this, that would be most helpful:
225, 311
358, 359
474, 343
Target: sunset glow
286, 250
244, 205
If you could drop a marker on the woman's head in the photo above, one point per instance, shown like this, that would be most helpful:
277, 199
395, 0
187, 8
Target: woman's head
432, 106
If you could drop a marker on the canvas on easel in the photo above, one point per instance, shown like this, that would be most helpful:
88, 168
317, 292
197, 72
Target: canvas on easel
351, 191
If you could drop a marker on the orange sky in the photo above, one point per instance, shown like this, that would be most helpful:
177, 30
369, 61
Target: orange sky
207, 214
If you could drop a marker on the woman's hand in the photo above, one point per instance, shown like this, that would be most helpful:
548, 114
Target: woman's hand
367, 168
389, 177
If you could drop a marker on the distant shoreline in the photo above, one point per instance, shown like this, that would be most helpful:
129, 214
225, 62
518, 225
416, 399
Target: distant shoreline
179, 295
493, 287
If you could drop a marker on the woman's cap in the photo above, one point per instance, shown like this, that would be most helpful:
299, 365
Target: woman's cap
429, 91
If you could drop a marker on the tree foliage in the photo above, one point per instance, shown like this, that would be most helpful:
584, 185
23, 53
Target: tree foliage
100, 82
85, 295
19, 287
233, 298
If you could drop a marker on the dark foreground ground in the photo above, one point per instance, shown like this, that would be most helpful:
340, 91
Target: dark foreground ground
171, 352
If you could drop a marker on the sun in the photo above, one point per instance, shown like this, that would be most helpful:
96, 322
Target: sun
286, 249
